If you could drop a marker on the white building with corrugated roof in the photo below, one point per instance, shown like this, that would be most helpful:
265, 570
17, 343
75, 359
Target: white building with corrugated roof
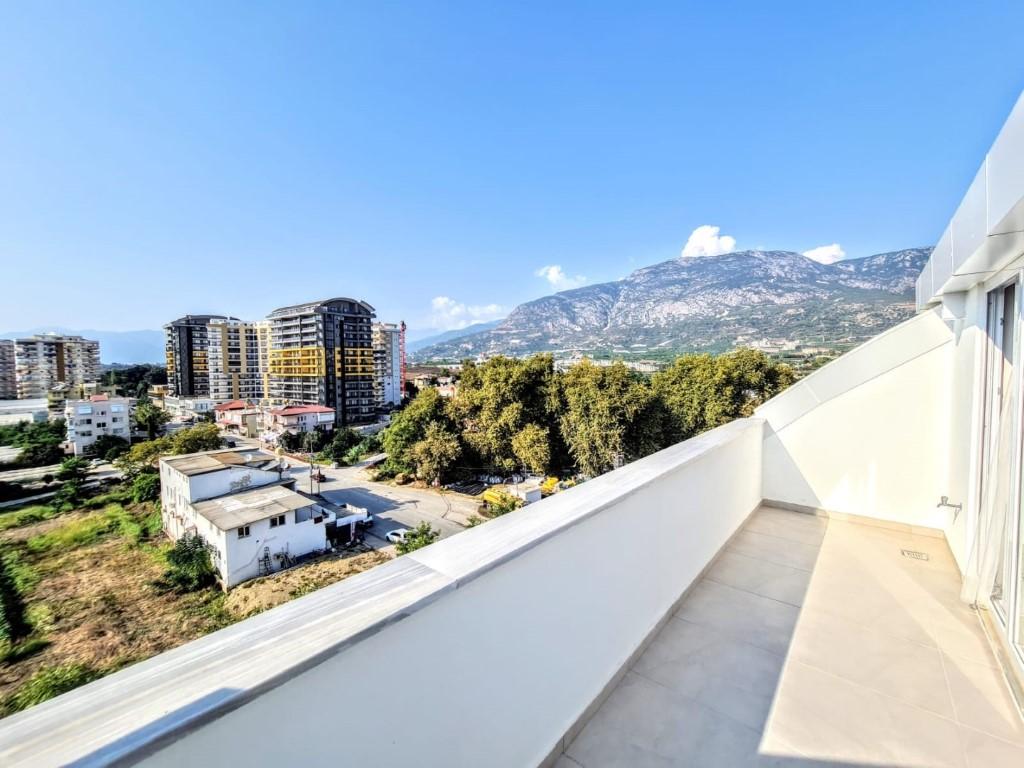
242, 504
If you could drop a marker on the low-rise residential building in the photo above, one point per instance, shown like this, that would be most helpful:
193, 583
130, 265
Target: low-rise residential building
189, 408
100, 415
299, 418
242, 505
238, 416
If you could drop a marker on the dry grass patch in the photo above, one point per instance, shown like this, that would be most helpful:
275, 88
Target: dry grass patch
258, 595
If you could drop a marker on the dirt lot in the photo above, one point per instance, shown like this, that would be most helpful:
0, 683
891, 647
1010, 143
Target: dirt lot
89, 582
96, 605
260, 594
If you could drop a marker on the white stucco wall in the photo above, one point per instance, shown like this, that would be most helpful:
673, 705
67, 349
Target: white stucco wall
530, 642
240, 560
213, 484
868, 434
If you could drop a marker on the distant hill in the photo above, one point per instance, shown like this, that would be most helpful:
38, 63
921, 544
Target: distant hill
439, 338
115, 346
709, 303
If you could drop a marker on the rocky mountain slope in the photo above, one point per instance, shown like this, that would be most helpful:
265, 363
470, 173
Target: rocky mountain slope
710, 303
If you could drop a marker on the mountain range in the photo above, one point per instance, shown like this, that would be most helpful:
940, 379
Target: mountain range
708, 303
438, 338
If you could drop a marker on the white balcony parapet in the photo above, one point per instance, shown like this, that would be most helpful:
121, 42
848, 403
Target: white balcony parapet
512, 620
987, 229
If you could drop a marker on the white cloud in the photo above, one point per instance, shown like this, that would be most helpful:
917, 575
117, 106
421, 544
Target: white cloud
447, 314
826, 254
558, 279
705, 241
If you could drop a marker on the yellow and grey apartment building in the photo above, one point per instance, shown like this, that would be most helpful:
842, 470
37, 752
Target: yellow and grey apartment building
212, 356
321, 353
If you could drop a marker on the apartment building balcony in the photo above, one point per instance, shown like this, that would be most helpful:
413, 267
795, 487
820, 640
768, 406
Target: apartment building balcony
686, 609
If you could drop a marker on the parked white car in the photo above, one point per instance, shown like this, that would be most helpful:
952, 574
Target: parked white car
397, 535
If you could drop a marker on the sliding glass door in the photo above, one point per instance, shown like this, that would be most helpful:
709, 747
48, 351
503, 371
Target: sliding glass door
1001, 536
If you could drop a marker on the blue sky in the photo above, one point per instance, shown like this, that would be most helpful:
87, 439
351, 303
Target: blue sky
438, 159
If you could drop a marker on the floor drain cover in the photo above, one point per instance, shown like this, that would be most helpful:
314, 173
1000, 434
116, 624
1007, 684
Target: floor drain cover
914, 554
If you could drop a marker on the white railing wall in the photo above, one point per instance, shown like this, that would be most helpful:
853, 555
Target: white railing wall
868, 434
482, 649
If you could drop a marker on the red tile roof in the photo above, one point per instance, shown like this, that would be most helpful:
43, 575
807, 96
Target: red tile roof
293, 410
233, 405
98, 398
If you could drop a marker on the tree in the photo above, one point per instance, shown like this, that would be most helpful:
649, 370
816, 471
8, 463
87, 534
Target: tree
108, 447
150, 418
532, 446
342, 442
73, 470
40, 442
423, 535
142, 457
701, 392
609, 415
496, 402
408, 427
289, 441
68, 495
201, 437
189, 565
435, 453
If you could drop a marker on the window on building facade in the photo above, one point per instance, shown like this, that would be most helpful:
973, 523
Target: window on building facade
243, 532
276, 521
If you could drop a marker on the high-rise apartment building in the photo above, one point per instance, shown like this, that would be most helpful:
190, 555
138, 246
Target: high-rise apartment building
262, 331
233, 360
215, 356
45, 361
8, 382
388, 363
321, 353
187, 347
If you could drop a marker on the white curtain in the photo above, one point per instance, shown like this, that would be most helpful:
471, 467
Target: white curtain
998, 477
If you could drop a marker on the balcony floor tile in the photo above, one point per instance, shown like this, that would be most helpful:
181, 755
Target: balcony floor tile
813, 642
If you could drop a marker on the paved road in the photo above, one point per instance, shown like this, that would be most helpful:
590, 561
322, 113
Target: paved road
31, 473
392, 506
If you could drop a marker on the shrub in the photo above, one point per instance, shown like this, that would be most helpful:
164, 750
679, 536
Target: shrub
503, 502
13, 625
108, 447
73, 470
421, 537
189, 566
146, 487
26, 516
47, 683
68, 495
